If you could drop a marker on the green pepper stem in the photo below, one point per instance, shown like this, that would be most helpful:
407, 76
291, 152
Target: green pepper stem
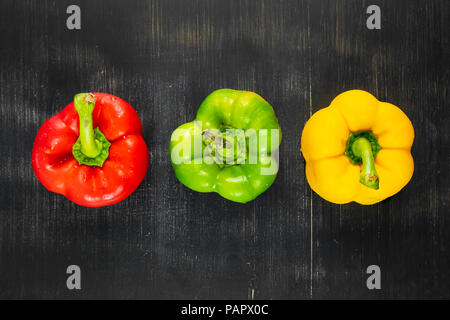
84, 104
228, 145
369, 176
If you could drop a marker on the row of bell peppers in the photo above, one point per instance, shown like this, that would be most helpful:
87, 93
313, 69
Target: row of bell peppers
357, 149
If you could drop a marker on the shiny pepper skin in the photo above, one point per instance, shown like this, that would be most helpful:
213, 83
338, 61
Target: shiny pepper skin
106, 181
324, 144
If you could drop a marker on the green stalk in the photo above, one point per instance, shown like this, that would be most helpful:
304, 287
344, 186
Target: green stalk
84, 104
227, 145
91, 148
362, 148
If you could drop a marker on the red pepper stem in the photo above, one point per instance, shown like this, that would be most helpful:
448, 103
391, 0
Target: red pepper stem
369, 176
84, 104
92, 147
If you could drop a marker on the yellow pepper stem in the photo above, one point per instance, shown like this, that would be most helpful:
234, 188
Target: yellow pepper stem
369, 176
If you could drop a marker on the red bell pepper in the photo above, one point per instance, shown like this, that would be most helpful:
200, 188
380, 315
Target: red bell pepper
92, 152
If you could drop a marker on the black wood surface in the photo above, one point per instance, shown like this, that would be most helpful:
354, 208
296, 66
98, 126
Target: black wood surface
166, 241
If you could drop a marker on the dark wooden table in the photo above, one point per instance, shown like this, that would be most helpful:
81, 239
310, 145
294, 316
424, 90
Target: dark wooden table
166, 241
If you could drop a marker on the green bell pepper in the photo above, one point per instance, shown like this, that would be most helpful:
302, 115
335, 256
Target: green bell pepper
230, 148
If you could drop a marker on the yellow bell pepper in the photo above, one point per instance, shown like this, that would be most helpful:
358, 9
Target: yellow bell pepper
358, 149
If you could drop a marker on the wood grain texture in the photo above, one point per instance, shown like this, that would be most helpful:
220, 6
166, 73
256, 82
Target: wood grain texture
168, 242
